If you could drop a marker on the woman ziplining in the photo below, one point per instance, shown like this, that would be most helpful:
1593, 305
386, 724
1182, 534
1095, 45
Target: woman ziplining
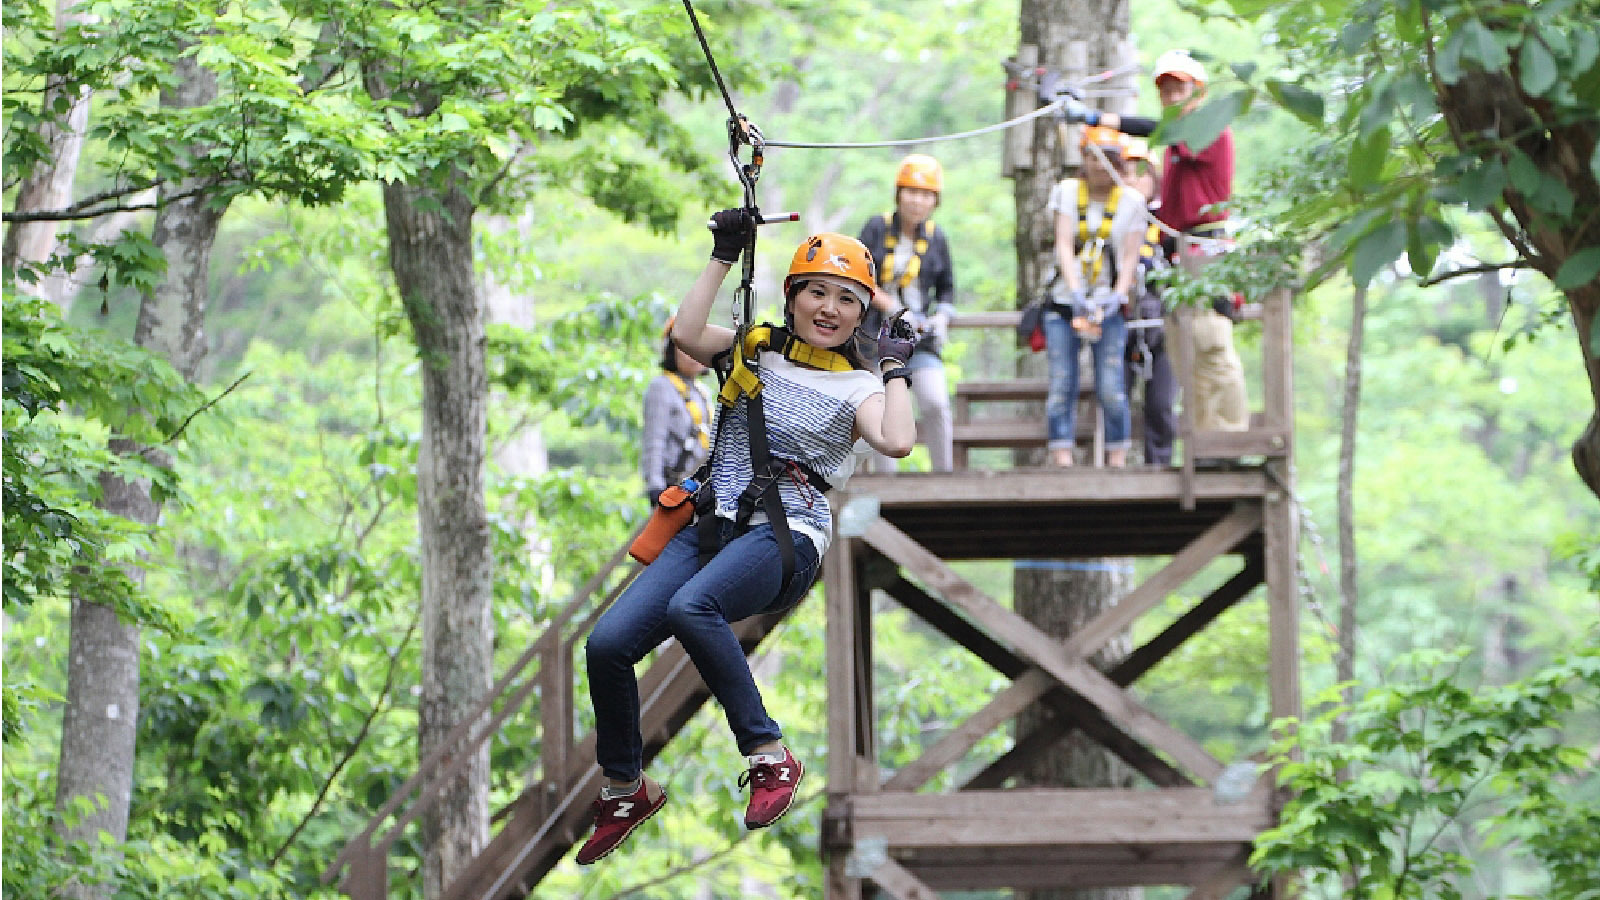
763, 520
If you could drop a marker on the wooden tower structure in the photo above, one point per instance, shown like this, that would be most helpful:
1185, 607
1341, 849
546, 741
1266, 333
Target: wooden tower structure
1191, 822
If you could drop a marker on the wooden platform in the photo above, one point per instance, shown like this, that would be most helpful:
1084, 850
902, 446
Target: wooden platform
1056, 513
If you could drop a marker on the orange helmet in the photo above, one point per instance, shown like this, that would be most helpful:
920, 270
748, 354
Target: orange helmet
836, 257
1136, 148
1102, 136
920, 171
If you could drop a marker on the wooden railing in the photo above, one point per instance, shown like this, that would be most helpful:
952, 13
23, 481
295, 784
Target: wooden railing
364, 859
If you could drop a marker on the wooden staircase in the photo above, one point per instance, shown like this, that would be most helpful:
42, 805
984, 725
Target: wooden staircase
553, 813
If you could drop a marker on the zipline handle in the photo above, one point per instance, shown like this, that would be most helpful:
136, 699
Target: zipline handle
761, 219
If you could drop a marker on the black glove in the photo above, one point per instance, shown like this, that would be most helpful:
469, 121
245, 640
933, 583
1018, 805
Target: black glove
730, 232
896, 340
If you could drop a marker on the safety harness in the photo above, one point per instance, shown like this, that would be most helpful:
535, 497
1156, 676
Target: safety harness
737, 368
919, 249
1091, 252
697, 419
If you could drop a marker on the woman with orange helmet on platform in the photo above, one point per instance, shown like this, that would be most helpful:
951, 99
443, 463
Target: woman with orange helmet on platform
825, 399
1099, 225
915, 274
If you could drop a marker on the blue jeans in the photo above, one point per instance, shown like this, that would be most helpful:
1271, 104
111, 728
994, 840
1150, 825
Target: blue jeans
1061, 403
674, 597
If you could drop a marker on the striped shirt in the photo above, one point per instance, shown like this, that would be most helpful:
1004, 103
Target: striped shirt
811, 415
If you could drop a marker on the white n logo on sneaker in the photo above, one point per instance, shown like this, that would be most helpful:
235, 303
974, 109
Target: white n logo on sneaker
622, 809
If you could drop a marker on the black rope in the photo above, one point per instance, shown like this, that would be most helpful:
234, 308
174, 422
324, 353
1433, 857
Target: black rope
710, 60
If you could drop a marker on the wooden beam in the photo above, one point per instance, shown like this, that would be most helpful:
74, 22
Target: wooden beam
1065, 709
899, 883
839, 580
1283, 600
1264, 441
1027, 487
955, 743
1180, 343
1055, 818
866, 727
1222, 881
1215, 541
1081, 679
1145, 657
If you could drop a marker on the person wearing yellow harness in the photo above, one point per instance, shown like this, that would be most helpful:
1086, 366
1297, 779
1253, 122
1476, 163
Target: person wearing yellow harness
1098, 228
916, 275
810, 401
677, 420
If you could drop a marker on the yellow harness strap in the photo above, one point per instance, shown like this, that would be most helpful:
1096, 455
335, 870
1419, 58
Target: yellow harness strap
742, 380
1095, 257
892, 240
696, 418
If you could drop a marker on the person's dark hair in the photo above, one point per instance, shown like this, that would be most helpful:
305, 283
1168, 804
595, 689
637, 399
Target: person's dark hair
852, 348
669, 355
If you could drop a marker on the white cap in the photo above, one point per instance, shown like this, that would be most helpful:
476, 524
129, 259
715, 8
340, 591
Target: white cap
1180, 64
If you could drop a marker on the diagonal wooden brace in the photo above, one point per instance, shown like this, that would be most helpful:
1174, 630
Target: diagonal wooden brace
1073, 674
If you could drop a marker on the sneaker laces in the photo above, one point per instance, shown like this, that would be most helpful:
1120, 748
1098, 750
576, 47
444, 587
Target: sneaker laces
760, 775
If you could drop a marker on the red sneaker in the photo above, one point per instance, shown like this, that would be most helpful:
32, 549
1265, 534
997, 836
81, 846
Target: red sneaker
616, 817
773, 781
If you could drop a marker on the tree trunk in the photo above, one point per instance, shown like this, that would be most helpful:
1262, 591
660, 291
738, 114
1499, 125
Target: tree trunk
1490, 108
49, 186
430, 251
1345, 662
101, 716
1075, 38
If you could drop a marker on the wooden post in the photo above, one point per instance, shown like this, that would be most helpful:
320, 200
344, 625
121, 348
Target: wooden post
866, 732
367, 877
1180, 346
839, 588
555, 717
1280, 523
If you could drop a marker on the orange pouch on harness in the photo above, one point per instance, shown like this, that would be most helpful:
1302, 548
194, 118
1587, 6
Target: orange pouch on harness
674, 509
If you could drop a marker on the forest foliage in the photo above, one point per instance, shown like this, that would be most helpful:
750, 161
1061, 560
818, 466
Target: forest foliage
281, 662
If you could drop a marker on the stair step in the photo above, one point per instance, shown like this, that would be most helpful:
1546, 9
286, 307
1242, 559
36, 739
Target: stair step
1001, 433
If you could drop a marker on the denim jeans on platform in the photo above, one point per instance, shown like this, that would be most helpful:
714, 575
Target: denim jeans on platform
1061, 403
674, 597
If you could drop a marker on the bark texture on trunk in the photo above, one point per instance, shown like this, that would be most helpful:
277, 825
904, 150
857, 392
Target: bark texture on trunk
98, 725
1075, 38
430, 251
1491, 108
50, 185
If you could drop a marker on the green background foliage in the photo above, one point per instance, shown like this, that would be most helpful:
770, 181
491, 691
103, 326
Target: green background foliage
281, 672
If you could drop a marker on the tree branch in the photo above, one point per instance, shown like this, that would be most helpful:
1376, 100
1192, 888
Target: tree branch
205, 406
1479, 269
84, 209
361, 736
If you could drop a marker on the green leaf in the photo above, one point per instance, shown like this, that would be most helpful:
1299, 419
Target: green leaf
1375, 250
1367, 156
1482, 185
1244, 70
1524, 173
1305, 105
1579, 270
1538, 68
1594, 162
1201, 128
1479, 43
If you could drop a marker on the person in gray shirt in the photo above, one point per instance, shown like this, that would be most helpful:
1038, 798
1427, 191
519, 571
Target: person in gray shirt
677, 420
